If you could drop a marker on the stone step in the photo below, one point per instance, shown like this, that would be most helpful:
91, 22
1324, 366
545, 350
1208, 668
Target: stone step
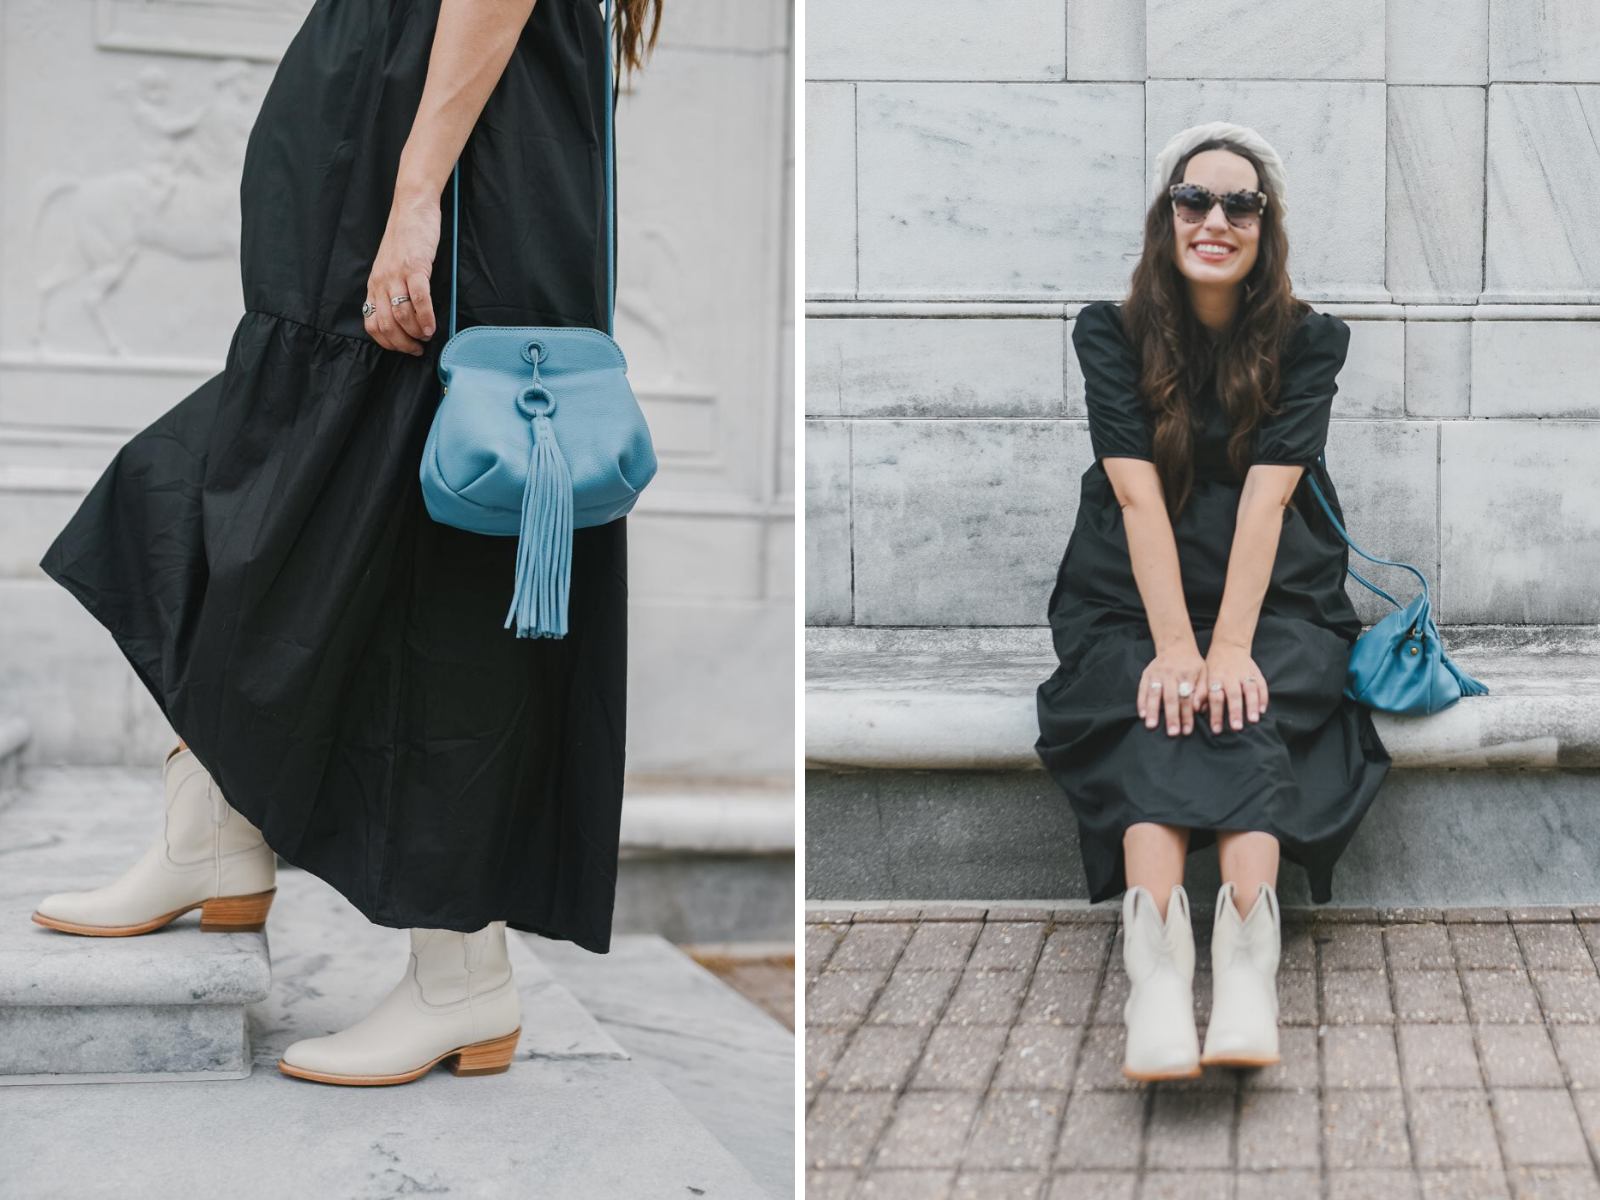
923, 780
173, 1002
168, 1005
596, 1123
726, 1060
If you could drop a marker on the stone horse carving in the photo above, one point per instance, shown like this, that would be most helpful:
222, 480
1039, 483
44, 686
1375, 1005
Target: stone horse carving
183, 200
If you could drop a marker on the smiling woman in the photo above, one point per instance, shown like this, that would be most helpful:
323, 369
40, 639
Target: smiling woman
1199, 613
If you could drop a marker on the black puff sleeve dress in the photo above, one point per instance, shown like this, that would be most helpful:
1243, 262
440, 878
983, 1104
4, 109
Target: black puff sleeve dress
1310, 768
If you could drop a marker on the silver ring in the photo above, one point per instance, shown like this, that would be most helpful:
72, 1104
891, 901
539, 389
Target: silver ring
368, 308
1185, 688
1249, 678
1155, 685
397, 301
1216, 687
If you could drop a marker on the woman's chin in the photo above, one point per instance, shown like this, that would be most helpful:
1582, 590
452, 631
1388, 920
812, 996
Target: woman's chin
1205, 273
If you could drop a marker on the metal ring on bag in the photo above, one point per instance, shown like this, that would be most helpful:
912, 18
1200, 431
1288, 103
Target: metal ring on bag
541, 352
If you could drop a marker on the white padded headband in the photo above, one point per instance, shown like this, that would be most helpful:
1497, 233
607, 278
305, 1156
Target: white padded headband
1277, 182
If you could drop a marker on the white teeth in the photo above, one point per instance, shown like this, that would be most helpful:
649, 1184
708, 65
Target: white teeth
1214, 251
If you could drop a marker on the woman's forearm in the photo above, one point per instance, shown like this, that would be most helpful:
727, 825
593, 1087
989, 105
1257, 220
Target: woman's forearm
1255, 548
1154, 555
1152, 550
471, 46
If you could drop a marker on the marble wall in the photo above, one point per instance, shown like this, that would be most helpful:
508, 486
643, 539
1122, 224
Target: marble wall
122, 131
977, 172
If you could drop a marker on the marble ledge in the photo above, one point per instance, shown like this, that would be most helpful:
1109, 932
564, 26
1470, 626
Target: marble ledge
963, 699
823, 306
1388, 420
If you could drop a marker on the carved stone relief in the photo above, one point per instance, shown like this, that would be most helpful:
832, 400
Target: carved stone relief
178, 200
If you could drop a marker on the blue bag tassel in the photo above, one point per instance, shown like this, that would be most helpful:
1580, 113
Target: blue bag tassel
544, 541
1469, 685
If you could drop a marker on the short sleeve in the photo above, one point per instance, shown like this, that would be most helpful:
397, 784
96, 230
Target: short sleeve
1296, 435
1119, 427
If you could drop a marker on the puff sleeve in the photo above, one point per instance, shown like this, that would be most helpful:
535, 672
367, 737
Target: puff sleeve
1296, 435
1119, 427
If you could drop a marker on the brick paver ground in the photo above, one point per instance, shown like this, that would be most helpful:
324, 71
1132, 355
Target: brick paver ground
972, 1054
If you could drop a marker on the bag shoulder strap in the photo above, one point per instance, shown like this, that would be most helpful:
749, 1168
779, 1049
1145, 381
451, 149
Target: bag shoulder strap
1383, 562
611, 250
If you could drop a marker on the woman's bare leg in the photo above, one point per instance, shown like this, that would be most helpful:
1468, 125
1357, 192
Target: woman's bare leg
1153, 855
1249, 858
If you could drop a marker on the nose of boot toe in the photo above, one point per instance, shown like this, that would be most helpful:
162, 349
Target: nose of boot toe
307, 1054
60, 906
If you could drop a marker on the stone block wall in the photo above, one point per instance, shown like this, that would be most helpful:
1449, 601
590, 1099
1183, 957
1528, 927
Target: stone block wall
977, 172
122, 133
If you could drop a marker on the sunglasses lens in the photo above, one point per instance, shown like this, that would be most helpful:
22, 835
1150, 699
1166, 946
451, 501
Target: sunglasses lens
1242, 208
1192, 203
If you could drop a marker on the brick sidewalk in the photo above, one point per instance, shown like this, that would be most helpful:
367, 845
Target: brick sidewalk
1430, 1055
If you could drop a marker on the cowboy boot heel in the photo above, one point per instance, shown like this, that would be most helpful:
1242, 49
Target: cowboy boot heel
236, 914
487, 1058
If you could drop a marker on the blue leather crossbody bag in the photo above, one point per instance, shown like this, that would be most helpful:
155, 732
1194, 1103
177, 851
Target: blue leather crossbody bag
537, 433
1399, 665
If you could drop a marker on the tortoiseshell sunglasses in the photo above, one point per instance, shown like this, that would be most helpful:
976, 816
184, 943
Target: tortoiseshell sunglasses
1192, 202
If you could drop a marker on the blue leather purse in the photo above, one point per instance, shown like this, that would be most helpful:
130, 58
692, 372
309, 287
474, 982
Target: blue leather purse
537, 433
1399, 665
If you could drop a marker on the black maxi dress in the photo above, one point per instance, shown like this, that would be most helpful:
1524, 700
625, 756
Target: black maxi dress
261, 554
1308, 771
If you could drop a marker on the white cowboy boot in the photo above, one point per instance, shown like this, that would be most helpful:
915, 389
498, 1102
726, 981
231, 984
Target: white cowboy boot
1159, 1013
208, 857
457, 1001
1243, 1031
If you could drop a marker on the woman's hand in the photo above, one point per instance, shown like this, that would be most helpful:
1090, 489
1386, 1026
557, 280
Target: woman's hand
1242, 688
1168, 669
402, 268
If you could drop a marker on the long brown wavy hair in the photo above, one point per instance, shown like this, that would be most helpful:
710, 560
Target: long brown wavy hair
1177, 351
633, 45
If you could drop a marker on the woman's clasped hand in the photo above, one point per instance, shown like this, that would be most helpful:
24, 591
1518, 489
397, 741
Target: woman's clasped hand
1180, 682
